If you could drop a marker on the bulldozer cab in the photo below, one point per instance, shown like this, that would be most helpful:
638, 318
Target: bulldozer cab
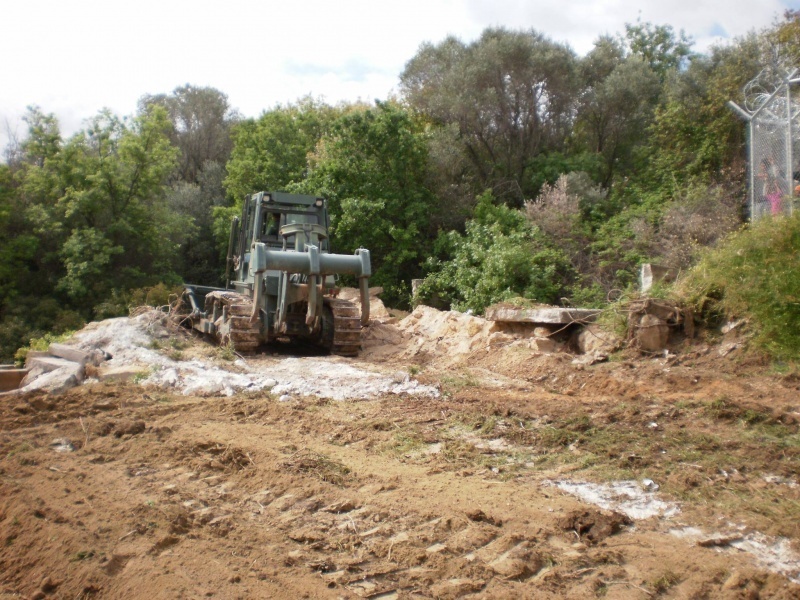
267, 218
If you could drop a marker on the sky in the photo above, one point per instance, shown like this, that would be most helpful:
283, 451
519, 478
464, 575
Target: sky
76, 57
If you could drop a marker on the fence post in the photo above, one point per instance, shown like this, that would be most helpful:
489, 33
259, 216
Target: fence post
789, 159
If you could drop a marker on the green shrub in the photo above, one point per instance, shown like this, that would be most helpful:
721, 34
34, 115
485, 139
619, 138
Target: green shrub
500, 256
753, 275
41, 344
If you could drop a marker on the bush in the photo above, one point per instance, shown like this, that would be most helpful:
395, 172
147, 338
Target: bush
499, 257
754, 275
41, 344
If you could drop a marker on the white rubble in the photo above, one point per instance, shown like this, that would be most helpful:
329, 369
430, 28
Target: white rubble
773, 554
627, 497
128, 341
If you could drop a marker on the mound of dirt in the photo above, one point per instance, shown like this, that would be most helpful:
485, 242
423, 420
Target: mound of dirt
448, 338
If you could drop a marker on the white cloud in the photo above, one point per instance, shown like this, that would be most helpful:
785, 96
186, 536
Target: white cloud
73, 58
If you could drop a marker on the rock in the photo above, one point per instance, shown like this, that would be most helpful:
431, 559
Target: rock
586, 360
121, 373
56, 381
33, 374
50, 363
652, 334
62, 445
285, 398
592, 339
545, 345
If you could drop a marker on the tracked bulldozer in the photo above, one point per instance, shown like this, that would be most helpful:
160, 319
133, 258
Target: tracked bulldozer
281, 280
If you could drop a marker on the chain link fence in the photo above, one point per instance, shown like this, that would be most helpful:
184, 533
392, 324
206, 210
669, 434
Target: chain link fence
772, 110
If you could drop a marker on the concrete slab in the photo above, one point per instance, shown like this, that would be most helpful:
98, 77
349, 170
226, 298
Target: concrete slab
49, 363
68, 353
57, 380
541, 316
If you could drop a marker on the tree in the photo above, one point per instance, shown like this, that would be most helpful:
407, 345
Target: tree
270, 153
201, 260
695, 135
97, 206
617, 105
372, 167
511, 95
44, 137
201, 120
660, 47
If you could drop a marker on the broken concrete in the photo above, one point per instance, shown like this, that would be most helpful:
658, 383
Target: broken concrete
651, 274
69, 353
650, 321
542, 315
49, 363
61, 368
54, 381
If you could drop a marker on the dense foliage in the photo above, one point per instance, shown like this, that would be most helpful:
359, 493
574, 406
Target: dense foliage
508, 166
754, 276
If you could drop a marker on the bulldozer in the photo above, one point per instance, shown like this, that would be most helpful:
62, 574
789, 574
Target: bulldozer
281, 281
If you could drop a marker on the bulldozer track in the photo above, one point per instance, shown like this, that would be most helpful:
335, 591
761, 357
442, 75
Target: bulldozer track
232, 324
346, 327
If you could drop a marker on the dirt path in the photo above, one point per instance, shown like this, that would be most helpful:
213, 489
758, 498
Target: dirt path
120, 490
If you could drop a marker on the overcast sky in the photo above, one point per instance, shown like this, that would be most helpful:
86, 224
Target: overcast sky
74, 57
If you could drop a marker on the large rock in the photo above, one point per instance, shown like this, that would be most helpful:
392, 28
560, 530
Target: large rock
54, 381
69, 353
594, 340
49, 363
652, 334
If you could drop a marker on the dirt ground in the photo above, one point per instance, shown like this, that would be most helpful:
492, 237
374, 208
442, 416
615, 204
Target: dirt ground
509, 481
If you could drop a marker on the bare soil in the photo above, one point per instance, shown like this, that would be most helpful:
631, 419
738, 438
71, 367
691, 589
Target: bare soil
119, 490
